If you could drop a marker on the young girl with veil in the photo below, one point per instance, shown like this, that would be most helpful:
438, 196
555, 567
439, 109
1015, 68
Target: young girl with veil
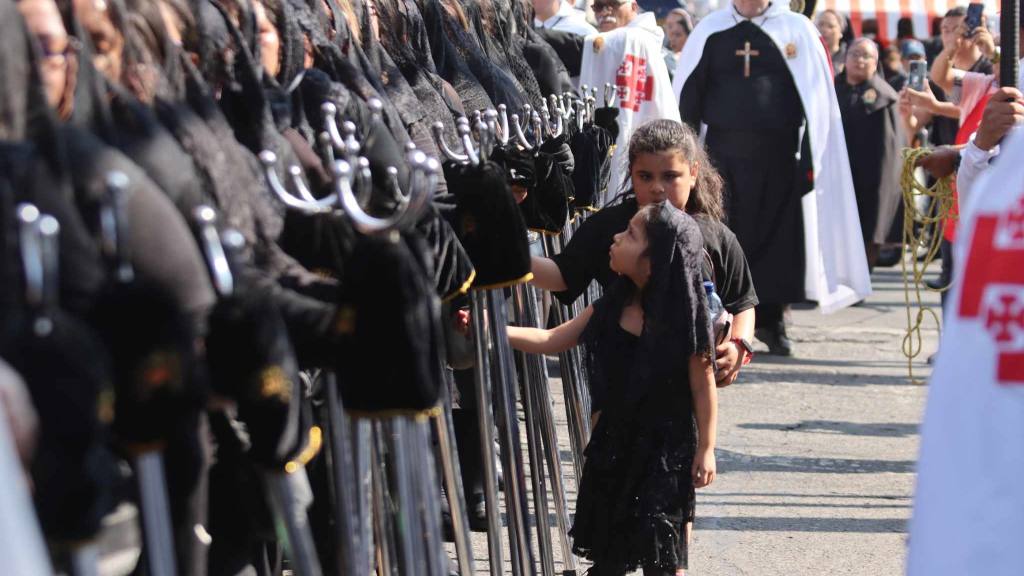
650, 347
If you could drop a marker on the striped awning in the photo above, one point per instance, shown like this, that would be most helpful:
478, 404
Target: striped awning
888, 13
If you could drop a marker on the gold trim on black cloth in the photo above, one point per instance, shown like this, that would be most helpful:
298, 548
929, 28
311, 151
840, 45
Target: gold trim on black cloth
309, 451
508, 284
462, 289
418, 415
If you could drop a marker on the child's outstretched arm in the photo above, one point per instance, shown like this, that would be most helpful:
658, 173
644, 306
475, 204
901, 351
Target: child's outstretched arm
705, 406
553, 341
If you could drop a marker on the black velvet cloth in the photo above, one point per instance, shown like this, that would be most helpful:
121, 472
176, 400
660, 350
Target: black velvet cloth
591, 150
68, 376
548, 186
453, 271
636, 491
390, 317
251, 360
66, 371
489, 224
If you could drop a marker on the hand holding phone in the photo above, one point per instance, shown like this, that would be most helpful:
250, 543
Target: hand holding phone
918, 71
973, 19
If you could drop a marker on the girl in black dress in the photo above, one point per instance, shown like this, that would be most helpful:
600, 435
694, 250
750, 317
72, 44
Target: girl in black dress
649, 344
667, 163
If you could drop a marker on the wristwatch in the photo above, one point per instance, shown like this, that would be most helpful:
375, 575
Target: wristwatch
747, 347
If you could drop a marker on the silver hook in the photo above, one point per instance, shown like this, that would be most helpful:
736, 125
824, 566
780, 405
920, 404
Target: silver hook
49, 242
295, 176
114, 226
520, 136
493, 127
423, 172
343, 139
31, 254
392, 185
376, 109
504, 135
363, 182
559, 117
437, 129
268, 159
485, 140
467, 143
538, 130
362, 221
330, 112
213, 248
326, 148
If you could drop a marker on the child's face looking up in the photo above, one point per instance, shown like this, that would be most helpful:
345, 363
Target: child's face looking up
628, 252
659, 176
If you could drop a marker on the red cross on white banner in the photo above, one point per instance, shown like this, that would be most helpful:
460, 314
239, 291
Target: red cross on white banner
633, 84
994, 287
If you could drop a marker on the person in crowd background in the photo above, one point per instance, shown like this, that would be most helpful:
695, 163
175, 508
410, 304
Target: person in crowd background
678, 25
561, 15
832, 25
872, 127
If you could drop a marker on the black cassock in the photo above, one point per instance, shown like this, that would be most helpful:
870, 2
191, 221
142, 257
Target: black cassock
873, 139
754, 115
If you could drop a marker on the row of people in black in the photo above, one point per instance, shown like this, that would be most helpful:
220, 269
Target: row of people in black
126, 120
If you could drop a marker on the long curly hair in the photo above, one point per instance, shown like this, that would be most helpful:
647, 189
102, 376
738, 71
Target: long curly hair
665, 135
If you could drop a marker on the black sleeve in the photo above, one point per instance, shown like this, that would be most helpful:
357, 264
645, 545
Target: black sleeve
735, 283
581, 260
691, 107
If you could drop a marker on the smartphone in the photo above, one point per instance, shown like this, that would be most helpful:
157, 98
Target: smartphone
973, 19
918, 73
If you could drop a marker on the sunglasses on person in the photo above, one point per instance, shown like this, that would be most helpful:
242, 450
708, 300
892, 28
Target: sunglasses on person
602, 6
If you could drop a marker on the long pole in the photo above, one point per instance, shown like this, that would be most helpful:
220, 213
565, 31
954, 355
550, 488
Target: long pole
1009, 34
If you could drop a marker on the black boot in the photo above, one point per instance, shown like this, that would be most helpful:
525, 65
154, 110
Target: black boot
776, 339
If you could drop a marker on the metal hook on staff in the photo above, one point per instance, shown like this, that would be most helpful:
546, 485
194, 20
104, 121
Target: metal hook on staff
437, 130
503, 134
519, 134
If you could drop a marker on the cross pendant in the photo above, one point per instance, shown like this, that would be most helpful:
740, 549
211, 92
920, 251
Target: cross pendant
746, 53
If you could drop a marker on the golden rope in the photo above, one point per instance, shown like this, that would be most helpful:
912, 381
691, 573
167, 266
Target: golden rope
939, 208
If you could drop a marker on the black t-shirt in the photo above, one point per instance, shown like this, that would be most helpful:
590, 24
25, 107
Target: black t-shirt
585, 258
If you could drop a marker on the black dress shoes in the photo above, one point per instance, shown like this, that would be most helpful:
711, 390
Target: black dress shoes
776, 339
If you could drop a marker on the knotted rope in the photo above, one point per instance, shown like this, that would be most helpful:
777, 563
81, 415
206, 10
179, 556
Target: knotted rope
940, 203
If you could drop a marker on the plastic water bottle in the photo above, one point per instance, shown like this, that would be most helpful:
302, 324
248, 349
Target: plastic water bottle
715, 307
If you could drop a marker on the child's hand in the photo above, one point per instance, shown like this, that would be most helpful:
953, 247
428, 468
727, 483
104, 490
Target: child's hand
704, 469
460, 321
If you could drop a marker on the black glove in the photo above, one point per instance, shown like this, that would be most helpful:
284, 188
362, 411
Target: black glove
561, 153
608, 118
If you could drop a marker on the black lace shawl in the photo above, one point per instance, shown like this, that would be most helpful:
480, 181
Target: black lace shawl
450, 59
676, 321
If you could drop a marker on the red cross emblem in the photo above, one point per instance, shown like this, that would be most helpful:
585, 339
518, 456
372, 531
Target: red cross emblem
994, 287
633, 84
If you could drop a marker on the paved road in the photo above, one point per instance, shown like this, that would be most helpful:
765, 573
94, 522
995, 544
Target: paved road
816, 452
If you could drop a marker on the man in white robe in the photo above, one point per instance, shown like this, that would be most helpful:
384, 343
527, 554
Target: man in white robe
755, 78
627, 56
